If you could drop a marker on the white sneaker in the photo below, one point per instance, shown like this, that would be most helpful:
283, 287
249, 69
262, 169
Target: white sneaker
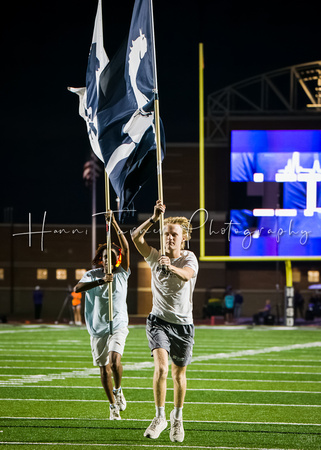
156, 427
177, 430
114, 412
120, 400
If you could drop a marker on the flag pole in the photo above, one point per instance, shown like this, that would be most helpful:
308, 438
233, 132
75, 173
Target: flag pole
158, 139
201, 151
108, 242
159, 173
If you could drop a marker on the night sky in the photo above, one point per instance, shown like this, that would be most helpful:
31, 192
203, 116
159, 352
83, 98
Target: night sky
45, 46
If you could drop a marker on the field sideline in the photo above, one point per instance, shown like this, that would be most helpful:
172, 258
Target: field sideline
248, 388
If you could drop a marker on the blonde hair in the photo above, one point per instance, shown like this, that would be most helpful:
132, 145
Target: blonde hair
184, 223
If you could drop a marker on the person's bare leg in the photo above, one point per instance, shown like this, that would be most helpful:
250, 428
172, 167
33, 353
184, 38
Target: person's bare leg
159, 423
78, 314
107, 383
116, 368
179, 379
177, 433
160, 376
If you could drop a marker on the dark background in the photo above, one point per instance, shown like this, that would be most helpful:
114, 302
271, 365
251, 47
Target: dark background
45, 45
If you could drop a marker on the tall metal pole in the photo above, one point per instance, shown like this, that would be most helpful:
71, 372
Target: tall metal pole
159, 173
201, 151
158, 139
289, 296
8, 212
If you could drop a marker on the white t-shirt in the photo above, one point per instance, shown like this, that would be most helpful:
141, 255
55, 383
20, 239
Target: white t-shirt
172, 297
96, 304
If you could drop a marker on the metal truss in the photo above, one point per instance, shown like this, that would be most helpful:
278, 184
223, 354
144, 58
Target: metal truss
290, 91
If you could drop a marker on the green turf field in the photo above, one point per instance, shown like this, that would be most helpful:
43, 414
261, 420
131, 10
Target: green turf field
249, 388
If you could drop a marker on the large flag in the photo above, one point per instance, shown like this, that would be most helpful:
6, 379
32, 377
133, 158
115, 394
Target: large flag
119, 105
88, 96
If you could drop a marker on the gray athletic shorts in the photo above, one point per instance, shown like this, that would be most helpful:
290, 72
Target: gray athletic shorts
177, 340
101, 346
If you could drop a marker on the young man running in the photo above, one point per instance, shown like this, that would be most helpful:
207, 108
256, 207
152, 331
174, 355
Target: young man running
170, 329
107, 349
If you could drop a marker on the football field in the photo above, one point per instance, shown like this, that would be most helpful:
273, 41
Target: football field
247, 388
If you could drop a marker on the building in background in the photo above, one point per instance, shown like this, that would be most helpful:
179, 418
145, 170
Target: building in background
56, 257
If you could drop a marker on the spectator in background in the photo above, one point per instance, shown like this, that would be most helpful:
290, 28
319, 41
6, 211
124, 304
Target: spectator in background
76, 307
238, 301
309, 314
229, 305
37, 301
262, 313
298, 304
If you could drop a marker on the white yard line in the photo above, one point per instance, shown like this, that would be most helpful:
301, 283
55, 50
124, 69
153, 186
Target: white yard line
39, 368
53, 347
189, 370
122, 445
254, 371
23, 379
285, 359
236, 380
148, 420
67, 357
206, 357
32, 329
152, 401
46, 361
202, 364
235, 390
34, 350
169, 389
233, 364
275, 349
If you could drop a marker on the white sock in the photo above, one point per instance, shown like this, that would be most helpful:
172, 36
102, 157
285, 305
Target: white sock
117, 391
160, 411
178, 413
112, 406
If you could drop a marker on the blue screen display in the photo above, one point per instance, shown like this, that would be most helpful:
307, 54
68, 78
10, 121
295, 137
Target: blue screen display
286, 167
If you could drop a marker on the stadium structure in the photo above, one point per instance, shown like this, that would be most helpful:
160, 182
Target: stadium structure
287, 99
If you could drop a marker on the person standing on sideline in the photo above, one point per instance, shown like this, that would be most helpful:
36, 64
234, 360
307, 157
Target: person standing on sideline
229, 305
37, 301
298, 304
76, 307
107, 349
170, 329
238, 301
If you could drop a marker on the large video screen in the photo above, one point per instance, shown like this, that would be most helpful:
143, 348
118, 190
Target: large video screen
275, 195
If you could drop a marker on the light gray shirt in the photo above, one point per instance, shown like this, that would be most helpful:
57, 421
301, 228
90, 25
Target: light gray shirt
172, 297
96, 304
